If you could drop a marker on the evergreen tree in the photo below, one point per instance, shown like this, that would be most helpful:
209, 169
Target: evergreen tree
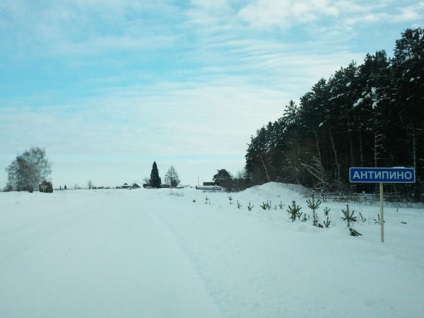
222, 177
408, 103
155, 180
366, 115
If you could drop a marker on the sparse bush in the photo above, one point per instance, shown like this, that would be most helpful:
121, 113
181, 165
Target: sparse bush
378, 221
348, 216
361, 217
266, 206
327, 222
294, 211
231, 199
314, 205
238, 204
326, 211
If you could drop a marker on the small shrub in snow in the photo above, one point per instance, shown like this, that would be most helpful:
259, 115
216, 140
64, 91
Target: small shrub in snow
294, 211
326, 211
348, 216
327, 221
378, 221
266, 206
238, 204
314, 205
250, 207
231, 199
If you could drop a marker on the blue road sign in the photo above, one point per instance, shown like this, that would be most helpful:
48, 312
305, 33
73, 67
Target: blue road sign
382, 175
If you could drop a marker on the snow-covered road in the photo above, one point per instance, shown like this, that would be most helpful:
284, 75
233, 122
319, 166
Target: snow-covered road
78, 259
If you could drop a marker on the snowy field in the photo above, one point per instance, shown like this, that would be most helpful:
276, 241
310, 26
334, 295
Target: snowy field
153, 253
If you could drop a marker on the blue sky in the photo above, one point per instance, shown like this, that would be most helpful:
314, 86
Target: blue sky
109, 86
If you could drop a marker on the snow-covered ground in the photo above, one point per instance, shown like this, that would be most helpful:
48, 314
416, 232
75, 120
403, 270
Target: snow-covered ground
153, 253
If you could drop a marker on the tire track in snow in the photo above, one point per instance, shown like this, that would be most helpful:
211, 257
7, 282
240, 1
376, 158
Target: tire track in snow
114, 260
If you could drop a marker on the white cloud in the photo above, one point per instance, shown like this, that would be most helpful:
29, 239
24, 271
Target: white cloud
286, 13
413, 12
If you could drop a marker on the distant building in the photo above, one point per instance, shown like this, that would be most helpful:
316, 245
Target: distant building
135, 186
209, 186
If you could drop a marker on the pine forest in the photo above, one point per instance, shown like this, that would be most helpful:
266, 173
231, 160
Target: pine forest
368, 115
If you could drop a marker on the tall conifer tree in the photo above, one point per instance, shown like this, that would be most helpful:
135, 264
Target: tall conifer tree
155, 180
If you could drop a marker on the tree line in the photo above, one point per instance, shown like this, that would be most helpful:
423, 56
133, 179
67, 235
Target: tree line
368, 115
32, 167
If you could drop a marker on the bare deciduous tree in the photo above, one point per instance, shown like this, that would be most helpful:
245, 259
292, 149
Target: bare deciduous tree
28, 170
171, 177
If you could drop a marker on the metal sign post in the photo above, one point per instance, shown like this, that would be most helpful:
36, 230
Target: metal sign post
382, 212
381, 176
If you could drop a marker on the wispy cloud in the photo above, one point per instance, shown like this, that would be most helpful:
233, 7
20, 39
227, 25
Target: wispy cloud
285, 14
